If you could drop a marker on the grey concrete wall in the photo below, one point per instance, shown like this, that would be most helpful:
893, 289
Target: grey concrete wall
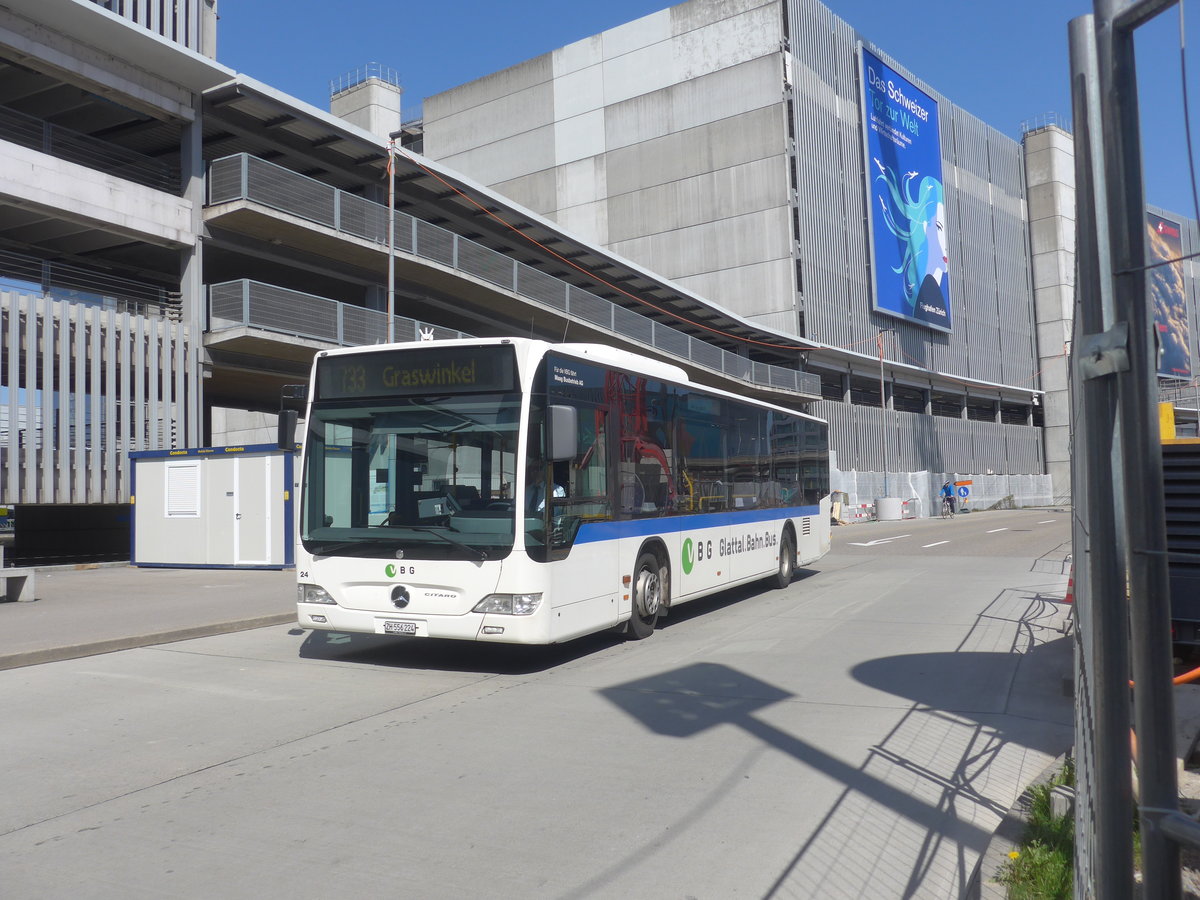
135, 83
720, 144
372, 104
35, 179
1050, 175
662, 139
241, 427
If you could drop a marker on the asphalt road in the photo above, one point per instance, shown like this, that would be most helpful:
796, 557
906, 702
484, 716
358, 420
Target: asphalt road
1013, 533
858, 734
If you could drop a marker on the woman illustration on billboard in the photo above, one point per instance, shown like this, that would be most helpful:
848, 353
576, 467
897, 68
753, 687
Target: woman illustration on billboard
918, 221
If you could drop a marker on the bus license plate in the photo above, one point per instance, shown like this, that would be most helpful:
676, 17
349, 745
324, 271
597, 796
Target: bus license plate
400, 628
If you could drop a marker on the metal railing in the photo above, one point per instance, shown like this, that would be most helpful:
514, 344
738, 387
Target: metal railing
73, 146
233, 304
245, 177
88, 287
354, 78
1182, 393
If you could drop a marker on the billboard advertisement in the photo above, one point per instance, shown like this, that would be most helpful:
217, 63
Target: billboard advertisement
1166, 290
906, 200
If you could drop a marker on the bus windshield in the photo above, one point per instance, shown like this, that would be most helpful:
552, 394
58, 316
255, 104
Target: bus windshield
419, 478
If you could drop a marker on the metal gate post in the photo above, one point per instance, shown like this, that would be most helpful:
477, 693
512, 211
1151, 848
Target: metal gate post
1103, 848
1145, 553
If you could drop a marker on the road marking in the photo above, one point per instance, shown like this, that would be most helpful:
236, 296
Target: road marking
1047, 521
994, 530
934, 544
878, 541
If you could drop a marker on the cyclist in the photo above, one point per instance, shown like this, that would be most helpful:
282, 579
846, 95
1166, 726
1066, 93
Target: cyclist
948, 499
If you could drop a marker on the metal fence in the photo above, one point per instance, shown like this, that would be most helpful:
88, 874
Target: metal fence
238, 303
89, 287
867, 438
245, 177
72, 146
984, 492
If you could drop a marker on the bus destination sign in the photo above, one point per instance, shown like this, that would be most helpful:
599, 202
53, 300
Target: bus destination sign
416, 373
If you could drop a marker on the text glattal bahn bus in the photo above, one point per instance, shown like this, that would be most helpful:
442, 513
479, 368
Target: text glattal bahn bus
517, 491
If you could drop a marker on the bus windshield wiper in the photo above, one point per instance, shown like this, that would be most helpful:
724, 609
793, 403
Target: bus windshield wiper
476, 551
332, 549
391, 542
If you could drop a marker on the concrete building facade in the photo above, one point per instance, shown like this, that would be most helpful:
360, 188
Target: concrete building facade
177, 240
722, 145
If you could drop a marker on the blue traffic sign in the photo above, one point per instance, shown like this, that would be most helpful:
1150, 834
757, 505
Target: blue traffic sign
963, 491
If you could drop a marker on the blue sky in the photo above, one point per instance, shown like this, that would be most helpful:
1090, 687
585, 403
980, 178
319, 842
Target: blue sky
1005, 62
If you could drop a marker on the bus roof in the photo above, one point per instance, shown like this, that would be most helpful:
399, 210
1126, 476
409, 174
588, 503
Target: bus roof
600, 353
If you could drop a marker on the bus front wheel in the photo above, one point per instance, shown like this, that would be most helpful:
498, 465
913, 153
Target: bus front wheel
649, 594
787, 561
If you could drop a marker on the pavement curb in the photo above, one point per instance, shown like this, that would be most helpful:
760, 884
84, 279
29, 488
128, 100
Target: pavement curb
95, 648
1005, 839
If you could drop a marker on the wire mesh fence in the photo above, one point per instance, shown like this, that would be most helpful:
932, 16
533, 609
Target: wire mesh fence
982, 491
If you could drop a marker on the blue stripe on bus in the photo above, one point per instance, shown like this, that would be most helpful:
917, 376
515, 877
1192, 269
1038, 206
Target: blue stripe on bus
607, 531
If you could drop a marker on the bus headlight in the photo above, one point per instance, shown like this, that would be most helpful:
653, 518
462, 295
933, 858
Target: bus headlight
509, 604
313, 593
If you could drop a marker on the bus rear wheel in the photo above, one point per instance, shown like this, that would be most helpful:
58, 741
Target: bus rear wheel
649, 595
787, 561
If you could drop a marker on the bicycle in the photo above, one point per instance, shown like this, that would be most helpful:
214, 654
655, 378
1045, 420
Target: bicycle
947, 508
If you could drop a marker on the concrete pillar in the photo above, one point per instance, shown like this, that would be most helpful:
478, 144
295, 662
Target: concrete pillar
1050, 192
193, 309
208, 28
369, 99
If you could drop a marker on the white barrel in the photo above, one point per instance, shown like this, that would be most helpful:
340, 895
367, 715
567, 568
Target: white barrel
888, 509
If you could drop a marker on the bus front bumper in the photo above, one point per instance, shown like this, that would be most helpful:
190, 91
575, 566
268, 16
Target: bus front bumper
504, 629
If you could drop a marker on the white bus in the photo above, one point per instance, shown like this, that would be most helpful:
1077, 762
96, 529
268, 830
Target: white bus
517, 491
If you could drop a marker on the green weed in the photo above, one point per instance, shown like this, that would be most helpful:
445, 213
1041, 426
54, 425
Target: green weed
1043, 867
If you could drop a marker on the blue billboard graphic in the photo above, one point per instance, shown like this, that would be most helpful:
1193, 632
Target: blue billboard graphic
905, 197
1164, 242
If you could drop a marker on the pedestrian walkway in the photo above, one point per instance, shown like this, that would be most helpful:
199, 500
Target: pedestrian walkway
82, 611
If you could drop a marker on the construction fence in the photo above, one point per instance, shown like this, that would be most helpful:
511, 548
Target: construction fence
920, 492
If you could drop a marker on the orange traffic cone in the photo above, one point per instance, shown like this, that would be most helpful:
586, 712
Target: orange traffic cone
1070, 598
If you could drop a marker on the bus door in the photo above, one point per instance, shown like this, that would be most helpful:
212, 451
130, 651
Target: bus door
568, 521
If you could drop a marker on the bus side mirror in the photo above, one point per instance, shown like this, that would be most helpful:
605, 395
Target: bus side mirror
562, 433
286, 439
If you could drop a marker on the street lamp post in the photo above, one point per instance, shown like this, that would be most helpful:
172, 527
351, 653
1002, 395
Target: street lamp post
391, 239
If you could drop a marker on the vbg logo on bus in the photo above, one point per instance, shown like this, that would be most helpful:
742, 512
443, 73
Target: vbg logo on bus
698, 551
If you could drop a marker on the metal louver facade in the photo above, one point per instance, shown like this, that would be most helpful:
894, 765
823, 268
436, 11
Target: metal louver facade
993, 338
82, 386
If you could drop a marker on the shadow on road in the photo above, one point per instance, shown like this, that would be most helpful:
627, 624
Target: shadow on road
930, 790
488, 658
448, 656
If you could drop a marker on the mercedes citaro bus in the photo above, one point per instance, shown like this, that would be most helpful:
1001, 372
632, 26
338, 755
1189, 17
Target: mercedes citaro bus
518, 491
